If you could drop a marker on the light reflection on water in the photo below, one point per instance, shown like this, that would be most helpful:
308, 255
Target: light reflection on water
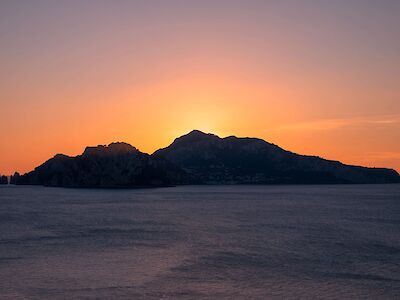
201, 242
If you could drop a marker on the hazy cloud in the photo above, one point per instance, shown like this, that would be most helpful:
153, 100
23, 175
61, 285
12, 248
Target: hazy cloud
332, 124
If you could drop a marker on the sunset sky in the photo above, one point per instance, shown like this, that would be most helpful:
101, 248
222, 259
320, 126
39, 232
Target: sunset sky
315, 77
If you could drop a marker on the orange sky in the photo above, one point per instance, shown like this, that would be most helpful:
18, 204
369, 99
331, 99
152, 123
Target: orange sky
315, 79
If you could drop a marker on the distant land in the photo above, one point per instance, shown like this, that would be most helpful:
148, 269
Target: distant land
197, 158
3, 179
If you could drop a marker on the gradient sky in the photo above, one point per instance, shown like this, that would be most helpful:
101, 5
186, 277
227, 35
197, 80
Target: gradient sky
315, 77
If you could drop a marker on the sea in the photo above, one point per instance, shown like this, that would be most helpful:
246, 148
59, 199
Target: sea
201, 242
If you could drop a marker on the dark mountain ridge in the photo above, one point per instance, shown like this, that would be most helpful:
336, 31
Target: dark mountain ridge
118, 165
198, 158
212, 159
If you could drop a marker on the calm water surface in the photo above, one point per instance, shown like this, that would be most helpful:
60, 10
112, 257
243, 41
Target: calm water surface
207, 242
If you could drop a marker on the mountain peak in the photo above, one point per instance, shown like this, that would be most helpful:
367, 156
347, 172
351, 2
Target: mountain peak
195, 136
121, 147
116, 148
195, 133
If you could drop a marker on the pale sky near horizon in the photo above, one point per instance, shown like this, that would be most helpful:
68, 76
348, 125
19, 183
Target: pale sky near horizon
315, 77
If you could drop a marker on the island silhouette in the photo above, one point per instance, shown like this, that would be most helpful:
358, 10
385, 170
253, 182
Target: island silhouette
197, 158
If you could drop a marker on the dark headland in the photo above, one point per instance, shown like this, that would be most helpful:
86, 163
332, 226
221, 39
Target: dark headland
197, 158
3, 179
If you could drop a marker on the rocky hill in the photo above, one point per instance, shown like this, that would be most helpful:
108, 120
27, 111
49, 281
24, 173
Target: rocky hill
117, 165
231, 160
